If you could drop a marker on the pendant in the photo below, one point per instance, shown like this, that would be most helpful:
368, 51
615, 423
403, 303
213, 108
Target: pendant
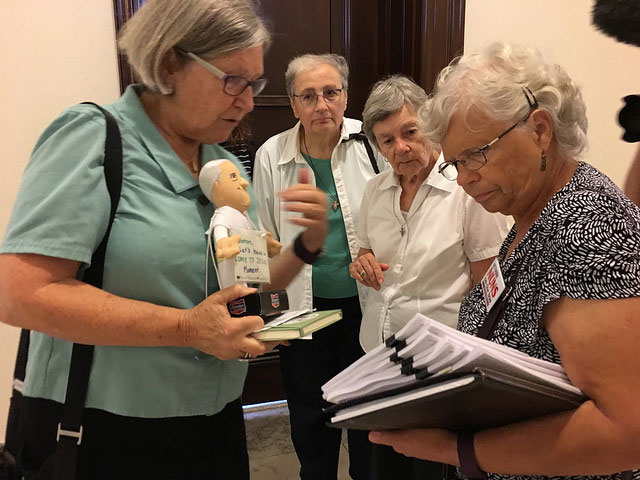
402, 230
335, 205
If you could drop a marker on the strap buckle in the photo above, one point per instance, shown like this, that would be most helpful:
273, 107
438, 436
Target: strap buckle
17, 385
69, 433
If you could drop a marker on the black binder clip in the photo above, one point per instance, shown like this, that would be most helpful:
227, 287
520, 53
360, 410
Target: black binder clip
408, 369
407, 361
400, 344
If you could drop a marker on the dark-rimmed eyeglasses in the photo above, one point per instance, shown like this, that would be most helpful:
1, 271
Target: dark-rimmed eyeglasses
308, 99
476, 158
233, 85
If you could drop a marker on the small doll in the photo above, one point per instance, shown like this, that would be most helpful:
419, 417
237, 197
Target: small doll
226, 188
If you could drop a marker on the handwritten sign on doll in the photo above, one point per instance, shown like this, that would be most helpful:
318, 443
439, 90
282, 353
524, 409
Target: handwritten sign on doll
252, 263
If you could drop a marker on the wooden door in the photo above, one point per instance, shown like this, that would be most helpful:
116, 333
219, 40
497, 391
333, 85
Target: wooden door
377, 37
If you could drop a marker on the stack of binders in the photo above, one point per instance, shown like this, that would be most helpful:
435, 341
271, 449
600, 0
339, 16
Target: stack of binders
430, 375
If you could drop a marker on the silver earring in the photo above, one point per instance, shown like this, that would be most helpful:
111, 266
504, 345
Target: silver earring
543, 161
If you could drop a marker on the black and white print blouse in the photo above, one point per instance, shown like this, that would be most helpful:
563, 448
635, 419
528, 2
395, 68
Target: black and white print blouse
584, 245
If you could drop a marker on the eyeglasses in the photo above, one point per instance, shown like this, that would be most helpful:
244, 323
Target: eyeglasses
476, 158
234, 85
330, 95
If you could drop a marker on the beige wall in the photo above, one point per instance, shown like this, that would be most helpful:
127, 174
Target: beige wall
54, 54
606, 70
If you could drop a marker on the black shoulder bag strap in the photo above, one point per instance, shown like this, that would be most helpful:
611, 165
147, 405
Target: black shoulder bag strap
360, 136
489, 325
69, 434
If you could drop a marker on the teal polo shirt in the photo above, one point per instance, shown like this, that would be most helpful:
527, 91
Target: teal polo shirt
156, 253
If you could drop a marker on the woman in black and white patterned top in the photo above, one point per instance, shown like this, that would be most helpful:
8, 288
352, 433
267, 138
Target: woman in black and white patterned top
512, 127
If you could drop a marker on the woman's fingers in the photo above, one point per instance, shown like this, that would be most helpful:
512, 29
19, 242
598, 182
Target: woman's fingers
311, 203
233, 292
373, 271
366, 270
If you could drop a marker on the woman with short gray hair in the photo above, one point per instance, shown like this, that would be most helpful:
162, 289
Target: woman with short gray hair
423, 241
387, 97
310, 60
512, 126
333, 149
163, 398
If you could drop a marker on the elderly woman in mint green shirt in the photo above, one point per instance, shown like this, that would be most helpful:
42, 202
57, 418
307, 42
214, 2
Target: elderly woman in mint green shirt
166, 363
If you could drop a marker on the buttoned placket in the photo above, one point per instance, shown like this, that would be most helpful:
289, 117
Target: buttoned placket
405, 235
341, 191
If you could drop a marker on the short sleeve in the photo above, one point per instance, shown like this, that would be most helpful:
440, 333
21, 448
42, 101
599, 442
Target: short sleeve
362, 233
62, 206
597, 252
484, 232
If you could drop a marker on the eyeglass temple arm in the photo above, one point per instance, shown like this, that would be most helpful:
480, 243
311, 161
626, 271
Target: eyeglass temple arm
216, 71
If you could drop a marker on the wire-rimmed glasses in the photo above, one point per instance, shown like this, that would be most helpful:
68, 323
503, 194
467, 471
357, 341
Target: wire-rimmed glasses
475, 158
309, 99
233, 85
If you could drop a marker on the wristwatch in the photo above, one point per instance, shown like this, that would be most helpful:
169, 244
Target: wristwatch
303, 254
467, 457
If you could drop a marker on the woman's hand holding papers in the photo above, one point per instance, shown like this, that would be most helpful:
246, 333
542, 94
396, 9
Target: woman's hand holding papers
433, 444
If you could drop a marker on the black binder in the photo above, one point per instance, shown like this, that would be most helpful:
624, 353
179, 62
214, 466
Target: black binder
458, 401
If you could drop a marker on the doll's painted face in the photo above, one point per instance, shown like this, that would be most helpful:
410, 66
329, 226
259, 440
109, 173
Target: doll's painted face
230, 189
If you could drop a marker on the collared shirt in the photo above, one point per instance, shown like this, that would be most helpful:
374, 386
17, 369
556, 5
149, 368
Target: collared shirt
276, 168
428, 252
156, 253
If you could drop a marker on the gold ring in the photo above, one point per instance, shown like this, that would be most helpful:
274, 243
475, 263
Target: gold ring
363, 274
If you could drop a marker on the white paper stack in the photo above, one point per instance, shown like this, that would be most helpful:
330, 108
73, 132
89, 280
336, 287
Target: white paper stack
425, 348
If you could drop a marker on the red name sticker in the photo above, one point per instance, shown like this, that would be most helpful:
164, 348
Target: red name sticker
492, 285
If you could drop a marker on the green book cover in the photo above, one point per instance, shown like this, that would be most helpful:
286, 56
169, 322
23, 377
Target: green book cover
298, 326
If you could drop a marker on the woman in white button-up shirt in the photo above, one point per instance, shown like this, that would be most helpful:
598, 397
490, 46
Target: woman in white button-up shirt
423, 241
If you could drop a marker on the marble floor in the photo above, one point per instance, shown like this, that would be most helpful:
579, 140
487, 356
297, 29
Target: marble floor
271, 454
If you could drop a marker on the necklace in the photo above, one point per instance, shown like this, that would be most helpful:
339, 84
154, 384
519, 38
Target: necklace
335, 204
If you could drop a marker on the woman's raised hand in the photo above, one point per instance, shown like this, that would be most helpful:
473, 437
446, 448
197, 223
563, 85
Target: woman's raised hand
312, 204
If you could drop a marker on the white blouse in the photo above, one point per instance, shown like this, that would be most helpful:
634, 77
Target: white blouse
428, 251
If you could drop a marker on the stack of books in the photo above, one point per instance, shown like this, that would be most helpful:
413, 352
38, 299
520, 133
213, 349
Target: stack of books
291, 325
431, 375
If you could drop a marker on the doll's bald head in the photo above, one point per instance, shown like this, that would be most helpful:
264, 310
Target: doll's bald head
224, 185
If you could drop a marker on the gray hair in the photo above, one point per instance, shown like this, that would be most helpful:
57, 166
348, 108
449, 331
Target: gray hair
387, 97
209, 174
308, 61
208, 28
492, 81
